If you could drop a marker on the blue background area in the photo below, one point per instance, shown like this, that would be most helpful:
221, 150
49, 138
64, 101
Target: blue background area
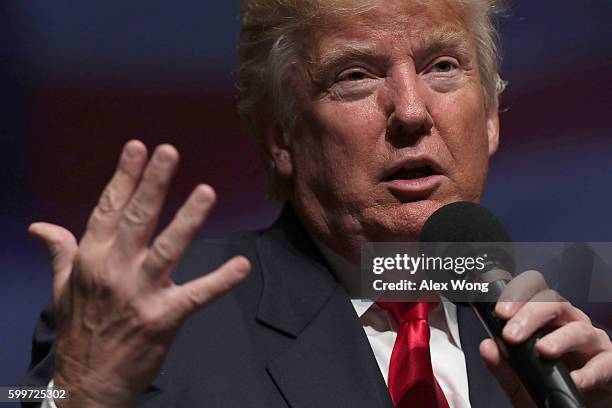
80, 78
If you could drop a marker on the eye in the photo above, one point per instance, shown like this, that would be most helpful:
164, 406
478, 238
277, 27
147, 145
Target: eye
353, 83
352, 76
444, 66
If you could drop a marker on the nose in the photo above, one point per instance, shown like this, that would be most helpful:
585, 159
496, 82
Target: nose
408, 113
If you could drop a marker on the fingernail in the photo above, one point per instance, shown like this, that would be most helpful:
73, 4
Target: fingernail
203, 194
506, 308
548, 345
33, 228
131, 151
201, 198
513, 330
163, 155
576, 378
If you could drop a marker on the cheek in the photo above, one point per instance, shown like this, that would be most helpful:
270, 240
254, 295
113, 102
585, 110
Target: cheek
462, 124
340, 139
349, 124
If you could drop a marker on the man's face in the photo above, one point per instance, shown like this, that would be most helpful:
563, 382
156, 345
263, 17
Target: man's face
392, 124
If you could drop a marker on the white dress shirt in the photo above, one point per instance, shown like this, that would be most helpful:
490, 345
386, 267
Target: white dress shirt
447, 358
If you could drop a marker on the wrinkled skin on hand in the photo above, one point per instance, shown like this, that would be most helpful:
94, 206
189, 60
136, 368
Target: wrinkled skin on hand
529, 305
116, 307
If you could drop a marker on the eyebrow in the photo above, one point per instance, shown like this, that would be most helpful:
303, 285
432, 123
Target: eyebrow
428, 44
442, 40
342, 54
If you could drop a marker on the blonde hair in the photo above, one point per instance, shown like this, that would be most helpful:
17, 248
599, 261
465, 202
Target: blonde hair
271, 31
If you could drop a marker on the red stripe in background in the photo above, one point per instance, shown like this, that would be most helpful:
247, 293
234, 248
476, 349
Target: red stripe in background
79, 133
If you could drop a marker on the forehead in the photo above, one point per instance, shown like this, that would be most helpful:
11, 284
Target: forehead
414, 21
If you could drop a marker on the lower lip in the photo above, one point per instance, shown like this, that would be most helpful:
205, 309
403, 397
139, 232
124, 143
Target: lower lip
415, 188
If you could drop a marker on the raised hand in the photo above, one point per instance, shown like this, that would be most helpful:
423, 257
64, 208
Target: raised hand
116, 307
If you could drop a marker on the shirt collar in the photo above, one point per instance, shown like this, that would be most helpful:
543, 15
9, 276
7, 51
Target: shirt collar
348, 274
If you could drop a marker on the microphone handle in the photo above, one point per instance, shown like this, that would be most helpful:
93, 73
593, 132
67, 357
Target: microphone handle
547, 381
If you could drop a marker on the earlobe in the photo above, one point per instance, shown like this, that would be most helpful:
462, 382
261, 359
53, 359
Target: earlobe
282, 162
278, 150
493, 128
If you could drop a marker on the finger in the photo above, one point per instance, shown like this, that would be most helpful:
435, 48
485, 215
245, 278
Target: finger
540, 311
518, 292
141, 213
577, 336
490, 353
106, 215
198, 292
62, 247
172, 242
596, 374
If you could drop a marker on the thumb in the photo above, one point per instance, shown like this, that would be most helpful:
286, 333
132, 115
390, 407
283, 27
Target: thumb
500, 367
62, 247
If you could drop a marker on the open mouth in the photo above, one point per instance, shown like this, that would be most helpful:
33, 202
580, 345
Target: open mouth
412, 173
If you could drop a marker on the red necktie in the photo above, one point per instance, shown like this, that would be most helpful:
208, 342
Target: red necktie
411, 379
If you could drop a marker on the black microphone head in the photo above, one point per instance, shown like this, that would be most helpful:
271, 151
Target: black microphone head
463, 222
466, 230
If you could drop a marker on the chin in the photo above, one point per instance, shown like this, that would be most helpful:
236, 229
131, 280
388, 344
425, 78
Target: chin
403, 222
412, 216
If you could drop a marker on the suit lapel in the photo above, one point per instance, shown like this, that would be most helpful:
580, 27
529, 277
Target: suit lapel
330, 362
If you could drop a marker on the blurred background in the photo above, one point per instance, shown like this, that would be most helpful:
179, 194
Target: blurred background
79, 79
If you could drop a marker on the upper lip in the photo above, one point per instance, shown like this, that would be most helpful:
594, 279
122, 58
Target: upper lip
413, 162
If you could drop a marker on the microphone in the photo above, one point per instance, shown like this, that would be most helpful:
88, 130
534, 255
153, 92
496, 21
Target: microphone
467, 229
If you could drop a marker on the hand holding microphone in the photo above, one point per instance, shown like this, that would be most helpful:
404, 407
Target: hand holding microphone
530, 363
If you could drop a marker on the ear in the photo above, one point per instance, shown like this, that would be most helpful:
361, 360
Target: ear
276, 145
493, 127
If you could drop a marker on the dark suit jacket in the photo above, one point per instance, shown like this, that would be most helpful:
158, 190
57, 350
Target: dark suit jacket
287, 336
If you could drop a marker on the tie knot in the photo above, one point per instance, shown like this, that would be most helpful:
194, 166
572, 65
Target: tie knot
407, 311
